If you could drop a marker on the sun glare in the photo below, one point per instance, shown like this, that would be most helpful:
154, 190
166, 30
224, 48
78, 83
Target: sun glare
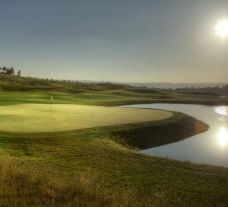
222, 110
222, 137
221, 28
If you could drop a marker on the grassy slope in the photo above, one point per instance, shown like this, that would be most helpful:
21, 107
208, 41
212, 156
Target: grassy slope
30, 90
96, 167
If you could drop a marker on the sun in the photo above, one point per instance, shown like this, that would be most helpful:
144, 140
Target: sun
221, 28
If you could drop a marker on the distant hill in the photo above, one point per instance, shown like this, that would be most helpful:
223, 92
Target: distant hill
166, 85
15, 83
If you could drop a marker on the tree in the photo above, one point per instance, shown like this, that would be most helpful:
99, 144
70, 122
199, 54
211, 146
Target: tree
19, 73
9, 71
4, 69
12, 71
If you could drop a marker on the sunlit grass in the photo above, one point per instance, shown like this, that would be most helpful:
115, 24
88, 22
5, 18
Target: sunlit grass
63, 117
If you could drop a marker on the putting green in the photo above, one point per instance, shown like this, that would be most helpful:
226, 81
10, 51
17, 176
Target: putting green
65, 117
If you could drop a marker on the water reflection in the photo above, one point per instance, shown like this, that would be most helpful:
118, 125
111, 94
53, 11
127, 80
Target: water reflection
222, 137
222, 110
210, 147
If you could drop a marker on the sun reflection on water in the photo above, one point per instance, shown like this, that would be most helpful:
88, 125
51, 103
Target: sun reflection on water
222, 137
222, 110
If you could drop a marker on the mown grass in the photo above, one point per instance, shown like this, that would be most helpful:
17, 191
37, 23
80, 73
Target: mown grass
65, 117
107, 97
32, 90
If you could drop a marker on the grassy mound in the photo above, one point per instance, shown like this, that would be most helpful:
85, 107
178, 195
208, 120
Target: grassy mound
65, 117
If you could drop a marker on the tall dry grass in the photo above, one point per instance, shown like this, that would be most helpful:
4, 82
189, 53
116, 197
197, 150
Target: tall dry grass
28, 187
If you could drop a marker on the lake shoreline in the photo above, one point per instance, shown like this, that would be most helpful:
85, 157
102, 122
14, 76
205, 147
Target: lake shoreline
152, 134
196, 102
214, 142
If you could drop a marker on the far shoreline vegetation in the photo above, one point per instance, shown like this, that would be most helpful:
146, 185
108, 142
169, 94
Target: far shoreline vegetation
102, 166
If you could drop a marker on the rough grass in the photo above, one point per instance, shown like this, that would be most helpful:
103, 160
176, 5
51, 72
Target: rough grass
65, 117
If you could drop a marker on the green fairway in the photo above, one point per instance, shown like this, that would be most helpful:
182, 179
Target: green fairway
65, 117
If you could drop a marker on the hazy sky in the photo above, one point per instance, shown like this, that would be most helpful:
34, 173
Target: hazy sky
115, 40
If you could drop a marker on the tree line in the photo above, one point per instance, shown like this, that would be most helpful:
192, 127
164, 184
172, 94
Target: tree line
9, 71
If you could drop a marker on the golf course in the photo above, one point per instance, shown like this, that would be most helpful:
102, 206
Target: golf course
79, 148
113, 103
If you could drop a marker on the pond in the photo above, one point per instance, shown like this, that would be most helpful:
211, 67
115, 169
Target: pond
210, 147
